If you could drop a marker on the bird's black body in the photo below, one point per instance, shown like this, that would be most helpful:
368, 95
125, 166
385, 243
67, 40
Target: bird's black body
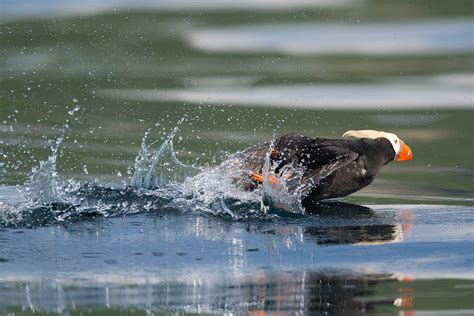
332, 167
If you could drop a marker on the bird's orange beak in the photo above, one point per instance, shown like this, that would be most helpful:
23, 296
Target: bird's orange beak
404, 154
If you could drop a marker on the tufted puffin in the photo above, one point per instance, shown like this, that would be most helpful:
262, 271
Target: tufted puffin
325, 168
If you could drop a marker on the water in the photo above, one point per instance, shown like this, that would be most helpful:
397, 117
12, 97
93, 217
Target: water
96, 218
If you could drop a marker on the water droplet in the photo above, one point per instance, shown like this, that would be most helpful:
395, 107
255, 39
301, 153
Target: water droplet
74, 110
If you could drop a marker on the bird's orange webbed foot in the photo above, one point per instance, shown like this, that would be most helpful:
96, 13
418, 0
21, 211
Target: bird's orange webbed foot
259, 178
272, 179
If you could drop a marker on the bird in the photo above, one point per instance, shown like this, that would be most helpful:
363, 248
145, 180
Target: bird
321, 168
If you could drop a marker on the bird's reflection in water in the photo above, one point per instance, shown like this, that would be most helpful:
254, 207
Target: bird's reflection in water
346, 223
339, 209
375, 234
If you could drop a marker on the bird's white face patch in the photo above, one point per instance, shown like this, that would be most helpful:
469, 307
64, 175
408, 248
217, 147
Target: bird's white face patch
395, 141
367, 133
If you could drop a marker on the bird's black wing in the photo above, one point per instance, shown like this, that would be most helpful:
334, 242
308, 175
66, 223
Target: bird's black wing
324, 158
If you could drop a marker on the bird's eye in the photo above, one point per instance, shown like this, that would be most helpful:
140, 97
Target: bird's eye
396, 141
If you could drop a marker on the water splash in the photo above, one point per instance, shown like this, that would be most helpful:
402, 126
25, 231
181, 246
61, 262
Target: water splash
283, 189
215, 190
154, 168
42, 186
160, 183
74, 110
218, 189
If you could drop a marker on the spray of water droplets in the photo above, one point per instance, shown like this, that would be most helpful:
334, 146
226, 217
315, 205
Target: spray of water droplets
159, 183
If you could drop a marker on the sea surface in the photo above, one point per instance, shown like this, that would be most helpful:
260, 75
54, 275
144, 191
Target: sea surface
120, 120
